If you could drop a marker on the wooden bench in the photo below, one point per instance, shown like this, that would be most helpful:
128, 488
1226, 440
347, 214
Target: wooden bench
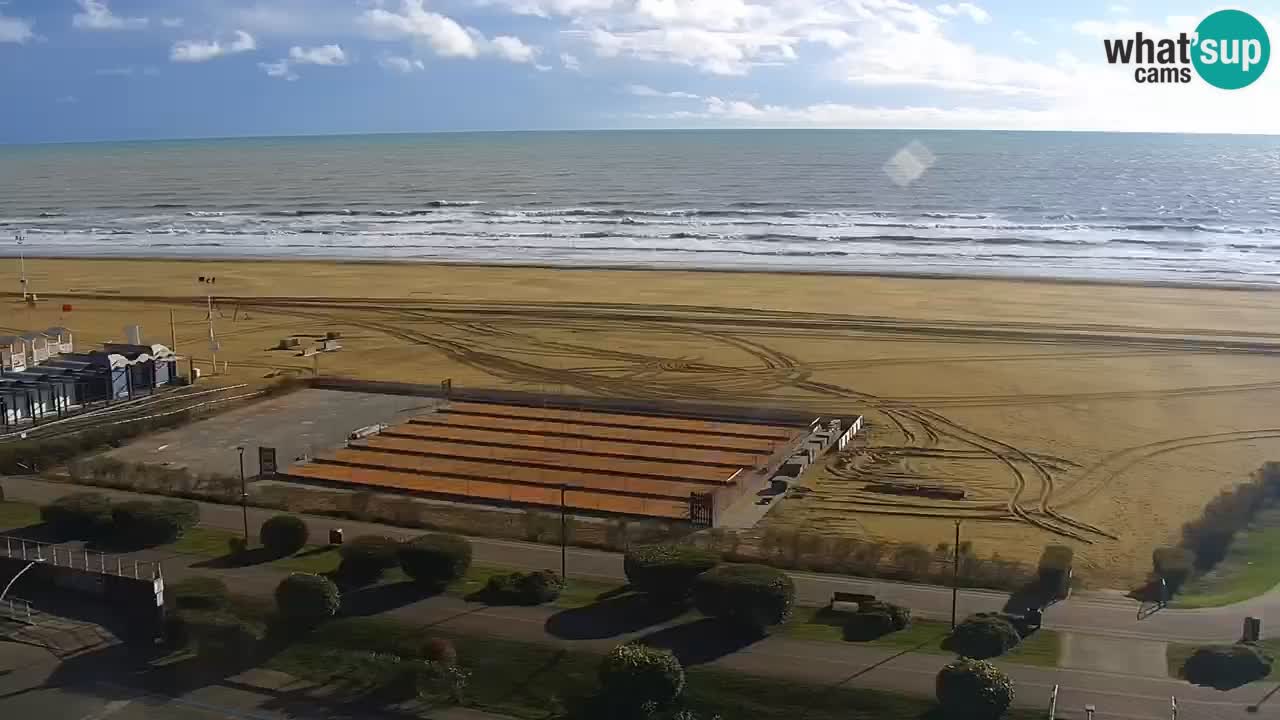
849, 597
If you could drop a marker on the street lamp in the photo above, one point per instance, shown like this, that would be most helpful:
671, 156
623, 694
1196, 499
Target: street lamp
564, 576
244, 497
955, 577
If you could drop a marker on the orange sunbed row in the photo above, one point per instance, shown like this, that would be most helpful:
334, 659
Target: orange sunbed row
590, 417
654, 437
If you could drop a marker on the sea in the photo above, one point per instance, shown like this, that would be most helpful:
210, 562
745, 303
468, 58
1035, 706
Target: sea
1127, 207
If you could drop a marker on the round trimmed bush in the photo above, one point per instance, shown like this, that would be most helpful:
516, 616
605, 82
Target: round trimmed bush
984, 636
900, 616
973, 689
440, 650
754, 596
199, 593
366, 558
140, 522
632, 676
868, 625
305, 599
283, 535
1224, 667
666, 572
79, 515
435, 559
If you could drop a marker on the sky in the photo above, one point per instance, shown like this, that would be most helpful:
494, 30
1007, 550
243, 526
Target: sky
79, 70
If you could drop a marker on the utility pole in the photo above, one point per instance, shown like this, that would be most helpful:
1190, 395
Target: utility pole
213, 342
173, 332
955, 576
564, 539
21, 237
244, 497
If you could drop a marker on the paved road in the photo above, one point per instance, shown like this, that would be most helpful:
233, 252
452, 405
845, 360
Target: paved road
1089, 613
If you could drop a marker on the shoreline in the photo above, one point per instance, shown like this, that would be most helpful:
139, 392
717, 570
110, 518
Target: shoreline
653, 268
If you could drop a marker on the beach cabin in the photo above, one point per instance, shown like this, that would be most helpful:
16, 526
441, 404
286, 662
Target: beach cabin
37, 347
143, 368
13, 354
59, 339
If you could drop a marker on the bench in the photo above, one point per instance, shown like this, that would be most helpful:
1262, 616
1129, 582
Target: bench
838, 597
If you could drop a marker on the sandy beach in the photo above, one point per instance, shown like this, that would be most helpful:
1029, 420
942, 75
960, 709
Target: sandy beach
1102, 416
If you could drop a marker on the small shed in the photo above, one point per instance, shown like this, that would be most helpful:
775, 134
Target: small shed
37, 346
60, 340
13, 353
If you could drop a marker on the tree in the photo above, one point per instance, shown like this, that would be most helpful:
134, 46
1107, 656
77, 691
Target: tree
984, 636
283, 535
79, 515
974, 690
304, 599
1224, 667
633, 677
436, 559
365, 558
753, 596
666, 572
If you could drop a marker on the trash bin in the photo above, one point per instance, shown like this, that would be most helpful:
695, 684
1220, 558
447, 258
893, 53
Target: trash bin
335, 536
1252, 629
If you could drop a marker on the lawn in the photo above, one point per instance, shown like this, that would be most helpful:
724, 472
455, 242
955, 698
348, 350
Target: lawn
537, 681
15, 515
924, 636
1177, 654
1251, 568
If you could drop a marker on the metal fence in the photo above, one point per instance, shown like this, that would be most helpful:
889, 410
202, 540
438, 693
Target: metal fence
18, 610
81, 559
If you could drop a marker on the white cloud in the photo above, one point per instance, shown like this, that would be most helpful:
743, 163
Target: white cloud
15, 30
443, 35
513, 49
1118, 9
646, 91
279, 70
401, 64
1172, 25
1024, 38
194, 51
570, 62
174, 22
323, 55
973, 12
95, 15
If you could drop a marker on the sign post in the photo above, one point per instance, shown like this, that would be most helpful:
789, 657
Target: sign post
266, 462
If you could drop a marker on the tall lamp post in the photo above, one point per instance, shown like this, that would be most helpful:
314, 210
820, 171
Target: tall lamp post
244, 497
955, 576
564, 539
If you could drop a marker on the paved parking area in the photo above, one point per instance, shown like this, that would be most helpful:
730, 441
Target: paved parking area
300, 423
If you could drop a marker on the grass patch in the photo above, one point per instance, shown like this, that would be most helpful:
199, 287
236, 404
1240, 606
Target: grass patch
1177, 653
926, 636
14, 515
203, 541
536, 681
1250, 568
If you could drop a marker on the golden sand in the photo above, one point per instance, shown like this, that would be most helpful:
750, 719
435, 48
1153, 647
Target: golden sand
1102, 416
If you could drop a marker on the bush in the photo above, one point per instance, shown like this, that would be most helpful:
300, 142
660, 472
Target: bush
365, 558
666, 572
283, 535
868, 625
1054, 573
218, 638
83, 516
900, 616
199, 593
141, 522
305, 600
440, 650
1174, 565
518, 588
635, 676
984, 636
973, 689
436, 559
1224, 667
754, 596
236, 546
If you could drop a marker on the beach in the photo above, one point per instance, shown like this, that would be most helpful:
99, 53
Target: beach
1102, 416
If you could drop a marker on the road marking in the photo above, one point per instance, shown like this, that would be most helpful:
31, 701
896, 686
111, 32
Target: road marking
108, 710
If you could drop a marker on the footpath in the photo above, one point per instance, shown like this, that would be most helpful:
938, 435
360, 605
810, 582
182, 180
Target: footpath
1106, 674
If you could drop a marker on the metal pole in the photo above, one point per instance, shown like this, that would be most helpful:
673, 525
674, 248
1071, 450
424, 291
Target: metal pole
1053, 703
244, 497
955, 576
563, 538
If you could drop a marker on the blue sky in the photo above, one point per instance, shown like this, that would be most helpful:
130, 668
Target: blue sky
137, 69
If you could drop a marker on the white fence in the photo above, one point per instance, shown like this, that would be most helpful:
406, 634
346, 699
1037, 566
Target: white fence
81, 559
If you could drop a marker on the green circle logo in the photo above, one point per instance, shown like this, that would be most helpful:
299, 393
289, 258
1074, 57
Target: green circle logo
1232, 49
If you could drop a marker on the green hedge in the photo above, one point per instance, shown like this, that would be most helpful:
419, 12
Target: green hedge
305, 599
519, 588
984, 635
635, 678
1224, 667
283, 535
84, 516
666, 572
754, 596
366, 558
435, 559
143, 522
974, 690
